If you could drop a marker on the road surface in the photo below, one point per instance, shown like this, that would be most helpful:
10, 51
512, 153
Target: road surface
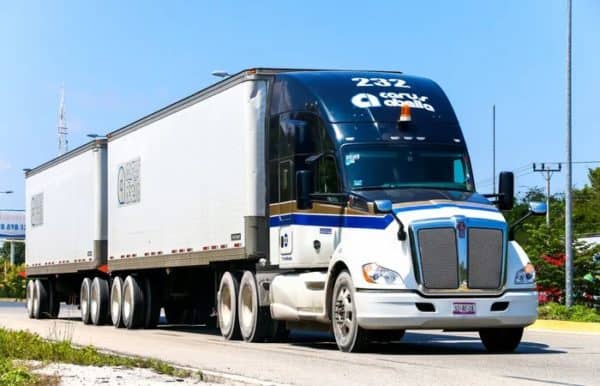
422, 358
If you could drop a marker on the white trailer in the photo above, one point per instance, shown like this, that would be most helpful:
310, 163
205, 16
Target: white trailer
280, 198
66, 230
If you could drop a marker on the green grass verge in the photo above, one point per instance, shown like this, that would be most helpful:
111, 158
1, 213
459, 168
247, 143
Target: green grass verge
21, 345
578, 313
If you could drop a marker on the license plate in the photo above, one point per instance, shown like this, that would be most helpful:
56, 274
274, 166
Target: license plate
463, 308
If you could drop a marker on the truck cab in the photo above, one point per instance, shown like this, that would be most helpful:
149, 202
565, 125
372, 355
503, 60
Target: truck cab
373, 209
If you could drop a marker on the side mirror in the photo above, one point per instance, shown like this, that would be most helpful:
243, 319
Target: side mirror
304, 187
506, 190
383, 206
537, 208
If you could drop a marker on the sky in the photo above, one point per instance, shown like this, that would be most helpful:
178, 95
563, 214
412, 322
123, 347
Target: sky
119, 61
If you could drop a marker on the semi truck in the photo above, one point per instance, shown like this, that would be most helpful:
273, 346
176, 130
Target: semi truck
278, 199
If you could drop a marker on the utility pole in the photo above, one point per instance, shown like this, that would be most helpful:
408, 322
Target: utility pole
494, 146
548, 171
568, 181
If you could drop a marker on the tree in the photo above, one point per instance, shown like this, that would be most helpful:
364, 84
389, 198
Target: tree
19, 252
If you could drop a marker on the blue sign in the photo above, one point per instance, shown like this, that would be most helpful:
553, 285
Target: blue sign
12, 224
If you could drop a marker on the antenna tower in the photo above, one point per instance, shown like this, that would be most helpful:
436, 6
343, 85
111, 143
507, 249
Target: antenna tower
63, 142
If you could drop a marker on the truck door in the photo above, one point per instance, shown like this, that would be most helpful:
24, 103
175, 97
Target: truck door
286, 242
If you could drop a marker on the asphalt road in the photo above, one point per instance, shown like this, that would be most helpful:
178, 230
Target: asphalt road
422, 358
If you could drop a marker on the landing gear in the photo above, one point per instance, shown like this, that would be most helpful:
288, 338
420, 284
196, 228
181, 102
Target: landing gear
349, 336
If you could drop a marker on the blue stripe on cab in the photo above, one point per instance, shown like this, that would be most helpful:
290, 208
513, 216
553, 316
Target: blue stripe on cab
368, 222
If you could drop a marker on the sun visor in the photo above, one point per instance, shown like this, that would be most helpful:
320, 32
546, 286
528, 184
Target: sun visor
361, 97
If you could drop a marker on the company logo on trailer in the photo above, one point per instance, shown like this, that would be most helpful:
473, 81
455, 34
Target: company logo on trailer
128, 182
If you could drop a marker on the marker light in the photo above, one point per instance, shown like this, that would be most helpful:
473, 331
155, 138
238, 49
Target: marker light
405, 113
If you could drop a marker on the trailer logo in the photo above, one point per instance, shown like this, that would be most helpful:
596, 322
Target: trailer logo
128, 182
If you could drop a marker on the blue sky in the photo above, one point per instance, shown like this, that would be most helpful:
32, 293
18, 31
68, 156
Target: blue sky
121, 60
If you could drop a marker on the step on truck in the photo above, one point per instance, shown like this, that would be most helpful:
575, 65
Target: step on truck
278, 199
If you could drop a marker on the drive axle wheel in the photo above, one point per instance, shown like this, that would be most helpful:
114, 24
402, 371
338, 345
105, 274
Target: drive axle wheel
84, 300
227, 307
251, 317
349, 336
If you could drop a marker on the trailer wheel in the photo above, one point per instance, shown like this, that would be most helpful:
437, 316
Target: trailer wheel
349, 336
116, 302
40, 299
251, 317
152, 298
84, 300
227, 306
53, 300
501, 340
30, 291
133, 303
99, 301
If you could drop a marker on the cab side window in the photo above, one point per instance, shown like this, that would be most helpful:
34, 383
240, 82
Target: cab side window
326, 176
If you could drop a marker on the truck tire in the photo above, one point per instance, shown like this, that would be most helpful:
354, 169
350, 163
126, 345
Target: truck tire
29, 294
349, 336
53, 300
501, 340
252, 318
152, 299
99, 301
40, 299
227, 306
116, 302
84, 300
133, 310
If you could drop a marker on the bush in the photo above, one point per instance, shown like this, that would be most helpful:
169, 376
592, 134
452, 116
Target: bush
12, 285
555, 311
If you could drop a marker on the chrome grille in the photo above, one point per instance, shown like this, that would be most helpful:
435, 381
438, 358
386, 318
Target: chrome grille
439, 258
485, 258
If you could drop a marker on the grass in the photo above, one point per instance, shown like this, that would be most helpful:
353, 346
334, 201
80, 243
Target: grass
20, 345
578, 313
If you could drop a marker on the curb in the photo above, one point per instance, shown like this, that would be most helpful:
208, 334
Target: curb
565, 326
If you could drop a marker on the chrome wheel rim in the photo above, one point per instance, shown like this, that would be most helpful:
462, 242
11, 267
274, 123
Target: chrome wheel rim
344, 315
115, 303
247, 309
94, 301
84, 301
225, 308
30, 291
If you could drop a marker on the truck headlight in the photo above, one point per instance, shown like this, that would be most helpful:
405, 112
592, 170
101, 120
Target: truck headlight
377, 274
525, 275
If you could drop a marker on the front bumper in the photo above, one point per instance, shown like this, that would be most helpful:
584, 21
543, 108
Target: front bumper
379, 309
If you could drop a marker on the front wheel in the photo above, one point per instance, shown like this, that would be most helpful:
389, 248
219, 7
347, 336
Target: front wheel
501, 340
349, 336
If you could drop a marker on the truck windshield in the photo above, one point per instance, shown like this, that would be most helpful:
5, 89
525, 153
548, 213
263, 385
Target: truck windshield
395, 166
